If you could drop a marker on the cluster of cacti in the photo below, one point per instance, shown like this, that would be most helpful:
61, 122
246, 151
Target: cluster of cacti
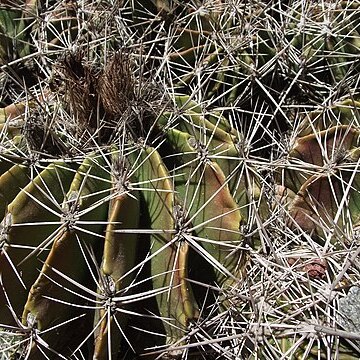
179, 179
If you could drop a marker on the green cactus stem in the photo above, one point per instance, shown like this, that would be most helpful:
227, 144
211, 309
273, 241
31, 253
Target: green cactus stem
119, 258
169, 249
65, 270
29, 225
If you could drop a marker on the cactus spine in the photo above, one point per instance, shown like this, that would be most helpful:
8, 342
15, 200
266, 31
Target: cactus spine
179, 180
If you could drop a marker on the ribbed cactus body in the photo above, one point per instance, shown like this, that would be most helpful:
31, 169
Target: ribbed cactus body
76, 215
179, 179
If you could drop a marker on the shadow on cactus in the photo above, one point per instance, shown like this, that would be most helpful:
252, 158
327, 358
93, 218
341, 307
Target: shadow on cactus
322, 171
86, 216
31, 33
325, 40
175, 184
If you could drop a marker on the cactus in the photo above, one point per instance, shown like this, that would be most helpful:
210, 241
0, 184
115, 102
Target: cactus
178, 180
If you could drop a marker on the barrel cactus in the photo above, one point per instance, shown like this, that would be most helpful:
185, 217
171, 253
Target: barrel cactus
179, 180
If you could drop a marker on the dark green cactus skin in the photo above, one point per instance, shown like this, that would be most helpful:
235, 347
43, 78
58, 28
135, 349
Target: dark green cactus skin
243, 56
326, 53
13, 33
